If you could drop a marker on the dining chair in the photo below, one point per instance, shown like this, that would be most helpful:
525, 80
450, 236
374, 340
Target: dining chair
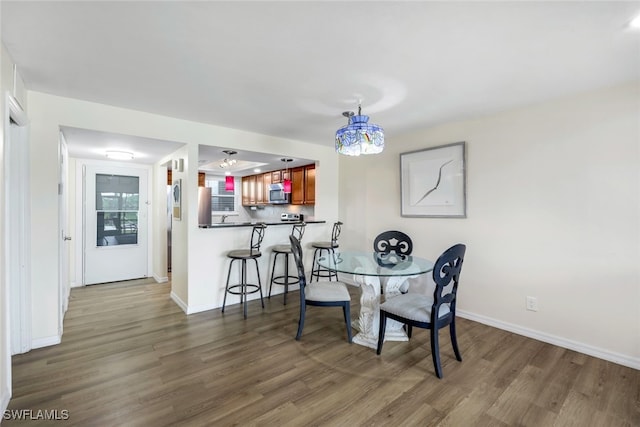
243, 288
393, 241
396, 245
325, 248
321, 294
430, 311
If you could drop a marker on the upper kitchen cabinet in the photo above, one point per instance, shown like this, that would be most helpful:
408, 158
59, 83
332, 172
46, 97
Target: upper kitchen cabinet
303, 185
261, 193
249, 190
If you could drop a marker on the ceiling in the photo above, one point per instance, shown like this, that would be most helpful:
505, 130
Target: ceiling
289, 69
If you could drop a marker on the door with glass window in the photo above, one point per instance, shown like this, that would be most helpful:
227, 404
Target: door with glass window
115, 229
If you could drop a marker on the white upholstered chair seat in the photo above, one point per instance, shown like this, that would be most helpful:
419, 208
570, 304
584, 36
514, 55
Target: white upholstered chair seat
282, 248
327, 291
416, 307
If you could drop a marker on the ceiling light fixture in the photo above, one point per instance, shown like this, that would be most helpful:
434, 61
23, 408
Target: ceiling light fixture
229, 184
635, 23
227, 162
119, 155
286, 182
359, 136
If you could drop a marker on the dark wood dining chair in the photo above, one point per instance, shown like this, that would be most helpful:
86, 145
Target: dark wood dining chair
393, 241
321, 294
430, 311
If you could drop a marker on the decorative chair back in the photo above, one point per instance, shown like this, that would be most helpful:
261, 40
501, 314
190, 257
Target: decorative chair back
296, 249
256, 237
393, 241
298, 230
335, 233
446, 271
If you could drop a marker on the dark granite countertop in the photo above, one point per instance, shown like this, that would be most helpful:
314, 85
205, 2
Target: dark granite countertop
251, 224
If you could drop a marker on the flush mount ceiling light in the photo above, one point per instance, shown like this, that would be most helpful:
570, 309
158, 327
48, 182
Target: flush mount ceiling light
119, 155
228, 161
635, 23
359, 136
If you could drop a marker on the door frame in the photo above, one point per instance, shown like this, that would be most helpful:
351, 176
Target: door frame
80, 204
17, 237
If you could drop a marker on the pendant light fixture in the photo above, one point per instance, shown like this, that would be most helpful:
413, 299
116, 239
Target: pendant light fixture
359, 136
229, 184
286, 182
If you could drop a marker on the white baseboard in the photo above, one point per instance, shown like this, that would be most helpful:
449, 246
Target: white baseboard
46, 341
600, 353
177, 300
160, 279
4, 400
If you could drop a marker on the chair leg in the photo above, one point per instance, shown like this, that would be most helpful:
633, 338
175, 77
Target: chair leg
226, 288
347, 318
435, 350
244, 286
286, 277
273, 270
303, 308
259, 281
454, 339
383, 326
314, 266
409, 331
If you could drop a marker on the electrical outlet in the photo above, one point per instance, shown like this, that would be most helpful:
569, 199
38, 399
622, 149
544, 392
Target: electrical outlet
532, 303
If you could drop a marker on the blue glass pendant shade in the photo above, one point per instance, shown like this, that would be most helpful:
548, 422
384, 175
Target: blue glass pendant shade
359, 137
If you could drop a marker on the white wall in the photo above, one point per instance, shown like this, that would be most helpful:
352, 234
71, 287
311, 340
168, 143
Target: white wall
553, 205
48, 113
6, 86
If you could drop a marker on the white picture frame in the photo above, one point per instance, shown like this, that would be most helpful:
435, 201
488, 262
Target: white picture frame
433, 182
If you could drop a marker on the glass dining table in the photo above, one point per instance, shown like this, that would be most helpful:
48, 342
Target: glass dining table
367, 269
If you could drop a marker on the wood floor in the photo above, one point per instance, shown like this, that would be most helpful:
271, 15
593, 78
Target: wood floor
130, 357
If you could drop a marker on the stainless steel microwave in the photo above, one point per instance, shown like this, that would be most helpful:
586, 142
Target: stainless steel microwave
277, 196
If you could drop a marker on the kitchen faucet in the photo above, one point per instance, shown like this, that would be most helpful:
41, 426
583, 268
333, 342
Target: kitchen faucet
223, 218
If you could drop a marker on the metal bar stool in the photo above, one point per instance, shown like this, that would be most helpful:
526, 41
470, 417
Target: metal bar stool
243, 288
320, 248
297, 231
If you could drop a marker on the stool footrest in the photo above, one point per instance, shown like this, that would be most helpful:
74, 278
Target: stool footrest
285, 280
252, 288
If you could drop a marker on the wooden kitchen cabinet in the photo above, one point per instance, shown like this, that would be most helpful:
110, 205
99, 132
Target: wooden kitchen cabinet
201, 178
261, 196
249, 190
303, 185
276, 177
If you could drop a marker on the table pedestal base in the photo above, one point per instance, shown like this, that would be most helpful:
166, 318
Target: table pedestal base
368, 322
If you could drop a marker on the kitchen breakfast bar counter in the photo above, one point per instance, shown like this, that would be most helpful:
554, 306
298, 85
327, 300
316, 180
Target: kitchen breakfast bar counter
251, 224
208, 263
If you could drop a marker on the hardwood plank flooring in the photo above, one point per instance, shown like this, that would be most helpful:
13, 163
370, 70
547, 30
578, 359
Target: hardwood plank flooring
130, 357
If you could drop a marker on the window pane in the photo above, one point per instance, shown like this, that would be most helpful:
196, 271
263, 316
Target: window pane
221, 199
222, 203
117, 228
117, 192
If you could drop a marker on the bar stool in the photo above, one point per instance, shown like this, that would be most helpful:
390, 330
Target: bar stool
297, 231
320, 248
243, 288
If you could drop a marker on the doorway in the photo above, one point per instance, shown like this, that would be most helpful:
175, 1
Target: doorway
115, 223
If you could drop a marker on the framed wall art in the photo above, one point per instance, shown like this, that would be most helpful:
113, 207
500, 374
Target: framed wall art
176, 197
433, 182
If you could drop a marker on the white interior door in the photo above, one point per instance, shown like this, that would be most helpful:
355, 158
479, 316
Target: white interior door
116, 219
63, 234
